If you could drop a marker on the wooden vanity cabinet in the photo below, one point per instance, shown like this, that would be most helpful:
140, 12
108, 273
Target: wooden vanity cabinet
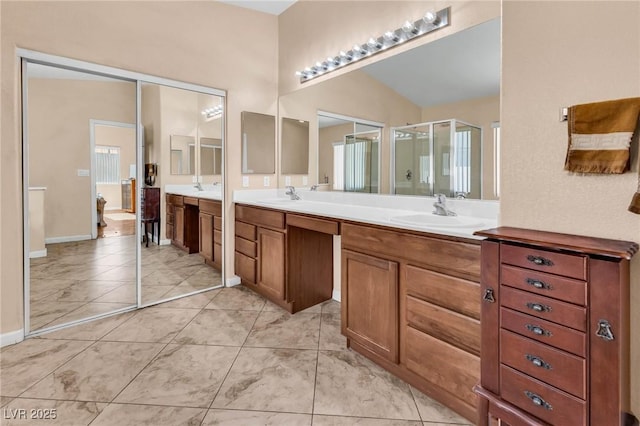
410, 302
182, 223
210, 229
555, 329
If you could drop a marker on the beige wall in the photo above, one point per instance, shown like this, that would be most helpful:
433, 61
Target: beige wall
196, 42
59, 115
557, 54
125, 139
481, 112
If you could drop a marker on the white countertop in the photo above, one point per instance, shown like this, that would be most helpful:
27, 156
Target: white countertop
210, 192
402, 212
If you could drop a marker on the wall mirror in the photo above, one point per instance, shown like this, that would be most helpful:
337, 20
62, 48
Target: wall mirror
294, 142
456, 77
210, 156
258, 143
183, 155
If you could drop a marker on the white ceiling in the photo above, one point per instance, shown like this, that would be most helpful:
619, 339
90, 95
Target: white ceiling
464, 65
274, 7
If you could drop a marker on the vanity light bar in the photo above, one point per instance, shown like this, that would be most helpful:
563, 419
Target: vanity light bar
212, 111
431, 21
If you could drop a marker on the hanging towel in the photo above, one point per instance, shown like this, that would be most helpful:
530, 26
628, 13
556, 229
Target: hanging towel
600, 135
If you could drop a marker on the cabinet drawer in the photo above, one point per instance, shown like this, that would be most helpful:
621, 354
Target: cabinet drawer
543, 331
192, 201
544, 307
313, 224
261, 217
451, 327
246, 247
446, 366
217, 223
552, 366
176, 200
246, 231
452, 293
541, 400
566, 289
245, 267
545, 261
210, 206
217, 236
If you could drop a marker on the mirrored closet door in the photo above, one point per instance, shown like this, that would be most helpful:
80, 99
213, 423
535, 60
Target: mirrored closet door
80, 173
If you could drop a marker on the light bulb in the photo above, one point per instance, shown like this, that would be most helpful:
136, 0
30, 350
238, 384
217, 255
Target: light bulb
374, 44
431, 17
408, 27
391, 36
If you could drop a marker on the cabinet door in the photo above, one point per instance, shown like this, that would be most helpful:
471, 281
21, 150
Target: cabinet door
370, 303
178, 230
271, 261
206, 236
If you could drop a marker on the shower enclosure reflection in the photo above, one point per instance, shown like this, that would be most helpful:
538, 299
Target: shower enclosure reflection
443, 157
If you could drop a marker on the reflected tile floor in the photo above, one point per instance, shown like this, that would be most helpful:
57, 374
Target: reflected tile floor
80, 279
222, 357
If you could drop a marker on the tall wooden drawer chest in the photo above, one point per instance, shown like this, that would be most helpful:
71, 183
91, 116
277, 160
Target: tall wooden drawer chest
555, 329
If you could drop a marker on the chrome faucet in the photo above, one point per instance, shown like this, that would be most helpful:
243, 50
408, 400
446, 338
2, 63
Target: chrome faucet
313, 188
198, 186
291, 192
441, 206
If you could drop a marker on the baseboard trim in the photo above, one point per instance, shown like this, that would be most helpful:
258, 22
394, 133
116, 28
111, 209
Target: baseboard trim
165, 242
11, 338
233, 281
38, 253
336, 295
67, 239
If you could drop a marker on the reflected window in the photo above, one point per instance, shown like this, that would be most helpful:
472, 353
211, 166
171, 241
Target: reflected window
462, 167
338, 169
496, 150
107, 164
355, 165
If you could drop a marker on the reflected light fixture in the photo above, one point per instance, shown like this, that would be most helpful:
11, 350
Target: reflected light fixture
431, 21
212, 112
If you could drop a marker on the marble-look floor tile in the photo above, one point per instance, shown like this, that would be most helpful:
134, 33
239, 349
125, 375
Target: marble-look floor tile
152, 325
121, 292
331, 307
270, 306
4, 400
331, 338
237, 298
378, 393
196, 301
246, 418
24, 364
162, 277
155, 293
434, 412
89, 310
83, 291
218, 327
41, 287
270, 380
82, 272
44, 311
92, 330
148, 415
181, 375
119, 273
320, 420
97, 374
64, 413
280, 329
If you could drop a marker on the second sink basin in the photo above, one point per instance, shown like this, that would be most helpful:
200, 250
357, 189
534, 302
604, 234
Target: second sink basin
279, 201
432, 220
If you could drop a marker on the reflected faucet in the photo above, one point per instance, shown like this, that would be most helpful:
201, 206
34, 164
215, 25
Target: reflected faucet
313, 188
198, 186
291, 192
441, 206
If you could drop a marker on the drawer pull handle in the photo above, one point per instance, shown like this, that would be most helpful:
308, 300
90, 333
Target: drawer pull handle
538, 307
539, 260
488, 296
604, 330
539, 284
537, 400
538, 362
538, 330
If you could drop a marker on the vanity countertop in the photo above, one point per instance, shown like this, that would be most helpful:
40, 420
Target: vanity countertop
209, 192
402, 212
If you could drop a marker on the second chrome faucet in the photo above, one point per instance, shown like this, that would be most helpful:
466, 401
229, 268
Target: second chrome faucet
441, 206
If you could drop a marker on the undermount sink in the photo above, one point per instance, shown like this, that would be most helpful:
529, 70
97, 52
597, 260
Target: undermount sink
432, 220
278, 201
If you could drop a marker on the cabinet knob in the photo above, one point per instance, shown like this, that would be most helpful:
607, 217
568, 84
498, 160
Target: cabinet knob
537, 400
538, 362
538, 307
539, 260
538, 330
538, 284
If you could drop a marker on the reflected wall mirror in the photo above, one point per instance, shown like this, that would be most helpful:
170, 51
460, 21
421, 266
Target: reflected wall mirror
294, 142
456, 77
258, 143
99, 148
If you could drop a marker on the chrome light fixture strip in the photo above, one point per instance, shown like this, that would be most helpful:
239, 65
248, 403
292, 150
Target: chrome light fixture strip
408, 31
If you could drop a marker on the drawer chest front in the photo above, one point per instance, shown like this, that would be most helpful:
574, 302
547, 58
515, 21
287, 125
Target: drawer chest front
550, 303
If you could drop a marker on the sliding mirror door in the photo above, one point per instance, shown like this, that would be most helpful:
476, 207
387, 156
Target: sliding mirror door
80, 180
183, 144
